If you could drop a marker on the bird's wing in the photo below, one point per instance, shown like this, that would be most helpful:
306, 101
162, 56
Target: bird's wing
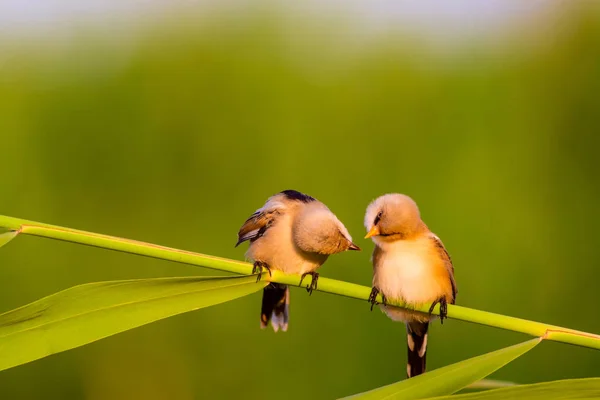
376, 257
447, 262
258, 223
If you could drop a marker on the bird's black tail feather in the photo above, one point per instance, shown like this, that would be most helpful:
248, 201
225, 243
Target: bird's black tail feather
275, 306
416, 335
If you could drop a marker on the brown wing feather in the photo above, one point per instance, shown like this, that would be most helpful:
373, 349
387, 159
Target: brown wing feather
256, 226
448, 263
376, 256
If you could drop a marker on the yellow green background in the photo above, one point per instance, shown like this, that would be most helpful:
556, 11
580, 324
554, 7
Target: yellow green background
176, 133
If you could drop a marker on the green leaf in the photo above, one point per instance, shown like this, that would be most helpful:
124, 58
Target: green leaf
489, 384
6, 237
537, 329
567, 389
450, 379
86, 313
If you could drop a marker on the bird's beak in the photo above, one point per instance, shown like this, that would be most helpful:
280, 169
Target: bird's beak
353, 247
373, 232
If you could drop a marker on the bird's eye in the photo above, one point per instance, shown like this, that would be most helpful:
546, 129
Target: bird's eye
378, 217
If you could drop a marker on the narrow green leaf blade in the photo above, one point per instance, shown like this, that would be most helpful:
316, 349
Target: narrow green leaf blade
86, 313
558, 390
6, 237
449, 379
489, 384
537, 329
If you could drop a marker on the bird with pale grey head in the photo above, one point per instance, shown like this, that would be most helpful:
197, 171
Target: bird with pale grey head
293, 233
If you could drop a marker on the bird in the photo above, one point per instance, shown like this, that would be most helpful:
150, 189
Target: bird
293, 233
411, 266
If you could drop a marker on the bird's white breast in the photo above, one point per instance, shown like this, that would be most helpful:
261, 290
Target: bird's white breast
406, 272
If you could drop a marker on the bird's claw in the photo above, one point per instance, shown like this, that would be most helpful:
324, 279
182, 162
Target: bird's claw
257, 268
373, 297
443, 308
313, 283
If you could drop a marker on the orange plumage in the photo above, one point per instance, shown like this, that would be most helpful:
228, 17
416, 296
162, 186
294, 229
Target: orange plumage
410, 265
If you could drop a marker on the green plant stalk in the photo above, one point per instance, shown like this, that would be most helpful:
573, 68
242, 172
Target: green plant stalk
548, 332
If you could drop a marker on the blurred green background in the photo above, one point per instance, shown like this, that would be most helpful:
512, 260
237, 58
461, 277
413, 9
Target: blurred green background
175, 131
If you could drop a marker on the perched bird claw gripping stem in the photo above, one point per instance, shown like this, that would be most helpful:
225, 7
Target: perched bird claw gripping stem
443, 308
373, 297
313, 283
257, 268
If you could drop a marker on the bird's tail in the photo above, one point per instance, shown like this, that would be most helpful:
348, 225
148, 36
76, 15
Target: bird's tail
416, 335
275, 306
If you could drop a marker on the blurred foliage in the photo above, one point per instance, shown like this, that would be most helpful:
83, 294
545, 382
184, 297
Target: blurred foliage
175, 134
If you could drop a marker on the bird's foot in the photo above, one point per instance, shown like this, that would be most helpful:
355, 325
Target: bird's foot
443, 308
257, 268
313, 283
373, 297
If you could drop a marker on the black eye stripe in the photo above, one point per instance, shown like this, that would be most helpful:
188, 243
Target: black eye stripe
377, 218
